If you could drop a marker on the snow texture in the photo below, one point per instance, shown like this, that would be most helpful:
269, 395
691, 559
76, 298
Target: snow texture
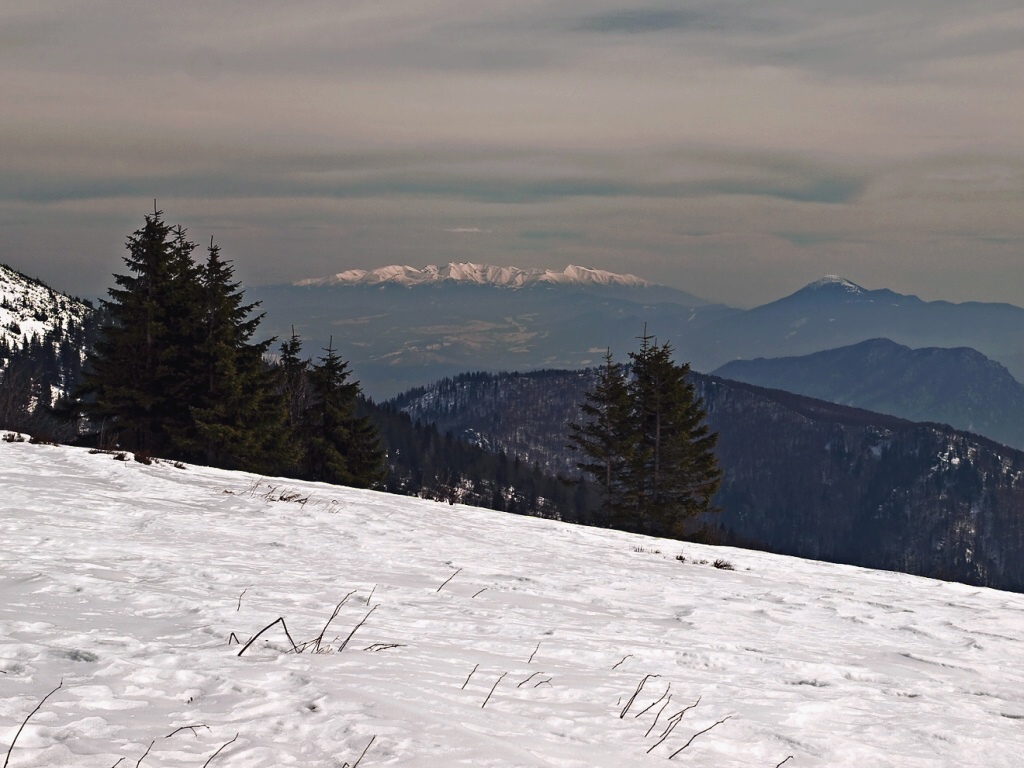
494, 640
29, 308
476, 274
834, 282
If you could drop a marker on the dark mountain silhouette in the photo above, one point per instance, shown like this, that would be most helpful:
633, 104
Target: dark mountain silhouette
833, 312
960, 386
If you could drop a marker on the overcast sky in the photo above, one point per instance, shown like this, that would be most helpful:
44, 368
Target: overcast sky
735, 149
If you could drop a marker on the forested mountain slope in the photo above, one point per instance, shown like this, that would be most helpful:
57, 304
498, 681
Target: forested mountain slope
44, 326
802, 476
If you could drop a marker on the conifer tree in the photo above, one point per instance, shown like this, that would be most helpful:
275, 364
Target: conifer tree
295, 386
338, 447
645, 442
606, 436
174, 372
671, 473
238, 416
133, 388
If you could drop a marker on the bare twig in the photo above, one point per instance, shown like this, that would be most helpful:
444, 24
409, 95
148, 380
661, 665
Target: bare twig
222, 748
275, 621
337, 610
627, 656
698, 733
530, 660
784, 762
543, 682
121, 759
470, 675
635, 694
480, 592
356, 627
240, 600
25, 721
188, 728
658, 716
653, 704
234, 637
493, 689
371, 594
383, 646
145, 753
672, 723
365, 750
528, 679
679, 715
448, 579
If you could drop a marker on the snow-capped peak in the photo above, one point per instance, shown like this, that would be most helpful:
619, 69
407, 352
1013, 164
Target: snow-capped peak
476, 274
834, 282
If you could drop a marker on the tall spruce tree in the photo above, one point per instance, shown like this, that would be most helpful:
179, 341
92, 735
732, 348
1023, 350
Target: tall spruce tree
132, 384
174, 372
295, 387
646, 443
238, 414
671, 474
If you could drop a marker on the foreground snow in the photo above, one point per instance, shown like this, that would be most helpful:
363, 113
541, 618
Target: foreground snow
127, 582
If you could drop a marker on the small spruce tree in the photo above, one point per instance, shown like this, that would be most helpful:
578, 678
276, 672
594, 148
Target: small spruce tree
606, 438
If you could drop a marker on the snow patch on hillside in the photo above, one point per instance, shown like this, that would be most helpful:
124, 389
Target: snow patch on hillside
30, 309
834, 282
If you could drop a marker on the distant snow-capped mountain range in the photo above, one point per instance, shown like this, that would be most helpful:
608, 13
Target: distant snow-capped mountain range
477, 274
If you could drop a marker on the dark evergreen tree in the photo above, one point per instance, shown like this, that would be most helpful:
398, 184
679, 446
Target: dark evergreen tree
295, 386
645, 442
671, 472
135, 393
337, 446
174, 372
238, 414
606, 438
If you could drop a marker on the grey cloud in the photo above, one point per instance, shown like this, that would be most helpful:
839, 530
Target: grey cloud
542, 120
813, 239
554, 234
642, 20
855, 40
477, 174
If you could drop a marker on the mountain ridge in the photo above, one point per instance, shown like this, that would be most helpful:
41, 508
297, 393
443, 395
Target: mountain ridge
958, 386
476, 274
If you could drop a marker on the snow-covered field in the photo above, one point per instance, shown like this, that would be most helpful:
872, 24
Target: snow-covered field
129, 583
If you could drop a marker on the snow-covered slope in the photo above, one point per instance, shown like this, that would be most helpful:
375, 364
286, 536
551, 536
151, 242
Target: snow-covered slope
835, 283
476, 274
30, 309
471, 638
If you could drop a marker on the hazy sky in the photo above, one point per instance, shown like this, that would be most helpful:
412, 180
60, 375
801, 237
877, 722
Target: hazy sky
735, 149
